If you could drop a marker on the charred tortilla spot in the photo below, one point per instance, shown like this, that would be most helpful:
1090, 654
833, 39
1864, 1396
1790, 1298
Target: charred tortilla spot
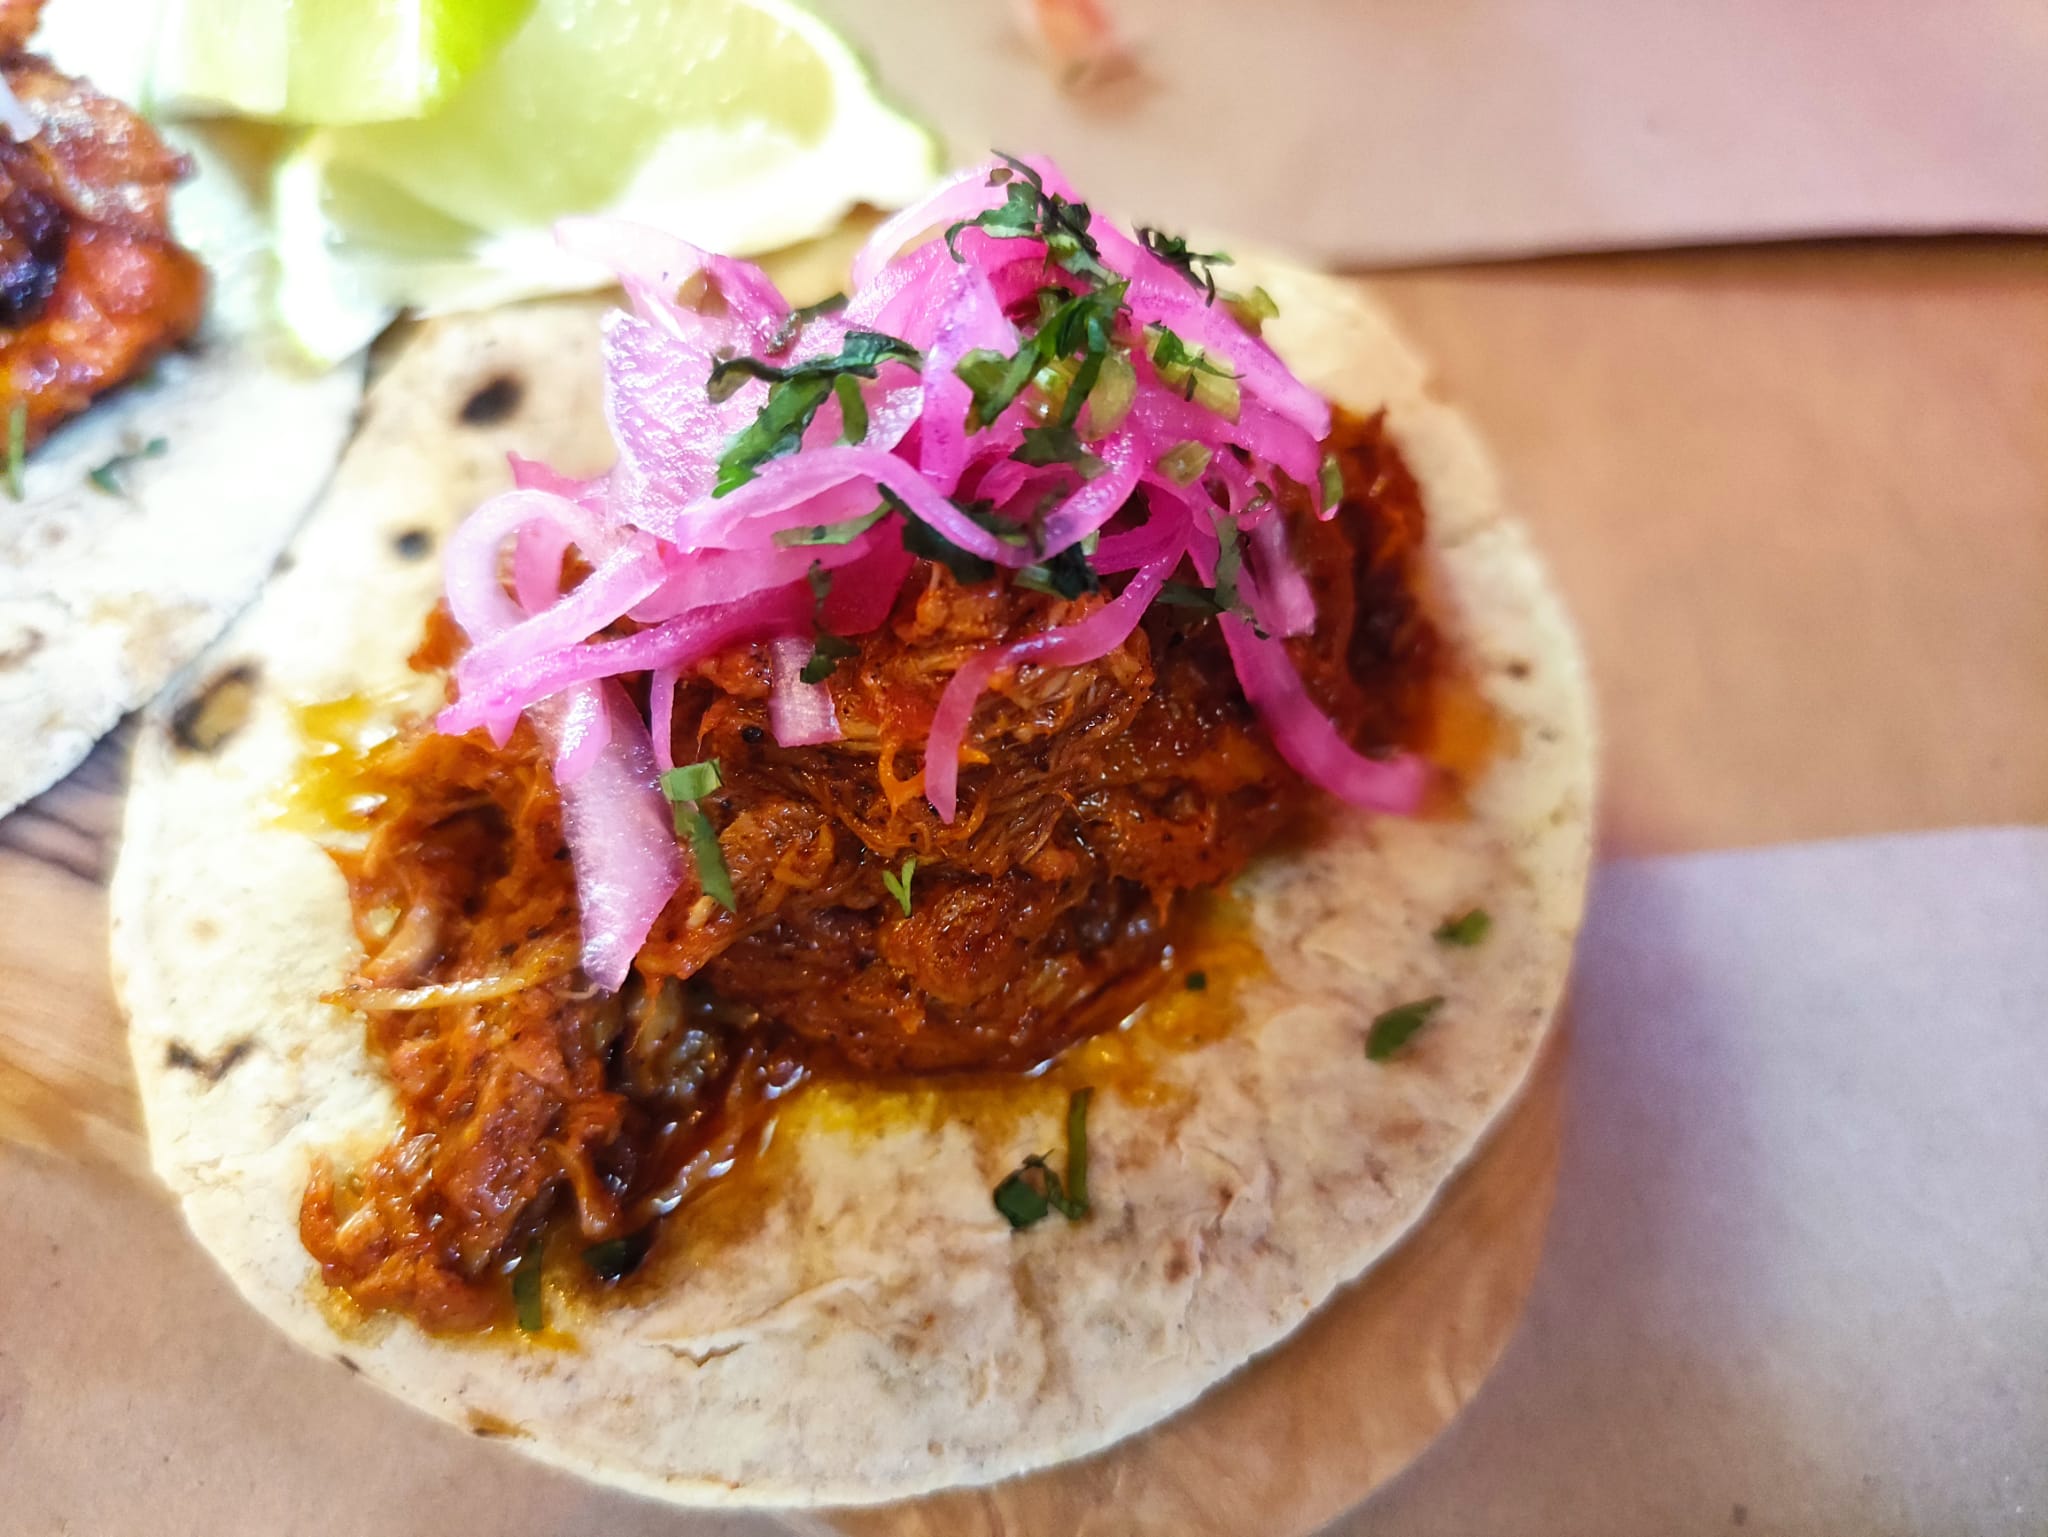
1519, 669
205, 721
212, 1069
1177, 1267
413, 544
494, 402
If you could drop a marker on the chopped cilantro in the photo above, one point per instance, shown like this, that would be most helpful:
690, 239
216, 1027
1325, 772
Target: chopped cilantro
1467, 929
1082, 323
1188, 595
827, 652
1191, 371
17, 449
1391, 1030
108, 477
1193, 265
795, 392
899, 885
617, 1258
1028, 211
692, 781
1057, 444
794, 322
1198, 981
527, 1303
1330, 481
685, 787
831, 533
927, 543
853, 409
1067, 575
1077, 1155
1229, 561
995, 381
861, 355
713, 875
1184, 463
1025, 1196
776, 432
1252, 310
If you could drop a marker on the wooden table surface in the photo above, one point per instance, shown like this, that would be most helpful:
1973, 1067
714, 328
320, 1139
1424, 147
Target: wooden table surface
1798, 498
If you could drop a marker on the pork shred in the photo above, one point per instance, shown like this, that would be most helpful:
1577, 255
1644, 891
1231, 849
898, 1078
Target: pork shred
93, 288
1092, 800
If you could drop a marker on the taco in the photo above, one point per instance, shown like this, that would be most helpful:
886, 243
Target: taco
935, 874
159, 447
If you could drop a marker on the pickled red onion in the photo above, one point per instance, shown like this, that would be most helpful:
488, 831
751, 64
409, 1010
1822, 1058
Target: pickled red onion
677, 572
20, 123
1306, 738
799, 713
1069, 646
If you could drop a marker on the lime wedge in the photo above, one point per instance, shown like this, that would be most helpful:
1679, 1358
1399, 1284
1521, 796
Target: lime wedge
743, 125
324, 61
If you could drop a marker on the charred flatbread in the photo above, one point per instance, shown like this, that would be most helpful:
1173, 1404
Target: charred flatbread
158, 468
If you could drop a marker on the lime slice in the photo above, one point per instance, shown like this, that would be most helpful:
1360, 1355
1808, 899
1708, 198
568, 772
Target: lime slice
325, 61
742, 125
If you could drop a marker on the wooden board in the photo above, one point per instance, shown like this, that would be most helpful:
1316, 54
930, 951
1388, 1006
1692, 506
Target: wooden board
1799, 499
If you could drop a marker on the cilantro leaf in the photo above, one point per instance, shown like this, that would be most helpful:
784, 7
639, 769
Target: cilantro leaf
853, 408
713, 874
1184, 463
1195, 266
862, 355
617, 1258
1192, 372
1028, 211
1330, 481
1081, 323
794, 322
927, 543
1025, 1196
17, 448
692, 781
776, 432
995, 381
1057, 445
1229, 561
1188, 595
1390, 1031
899, 885
1466, 930
843, 532
827, 652
108, 477
684, 787
795, 392
1077, 1155
1028, 1194
1067, 575
527, 1302
1252, 310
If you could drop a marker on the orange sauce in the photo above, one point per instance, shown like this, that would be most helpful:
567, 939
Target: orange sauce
332, 791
